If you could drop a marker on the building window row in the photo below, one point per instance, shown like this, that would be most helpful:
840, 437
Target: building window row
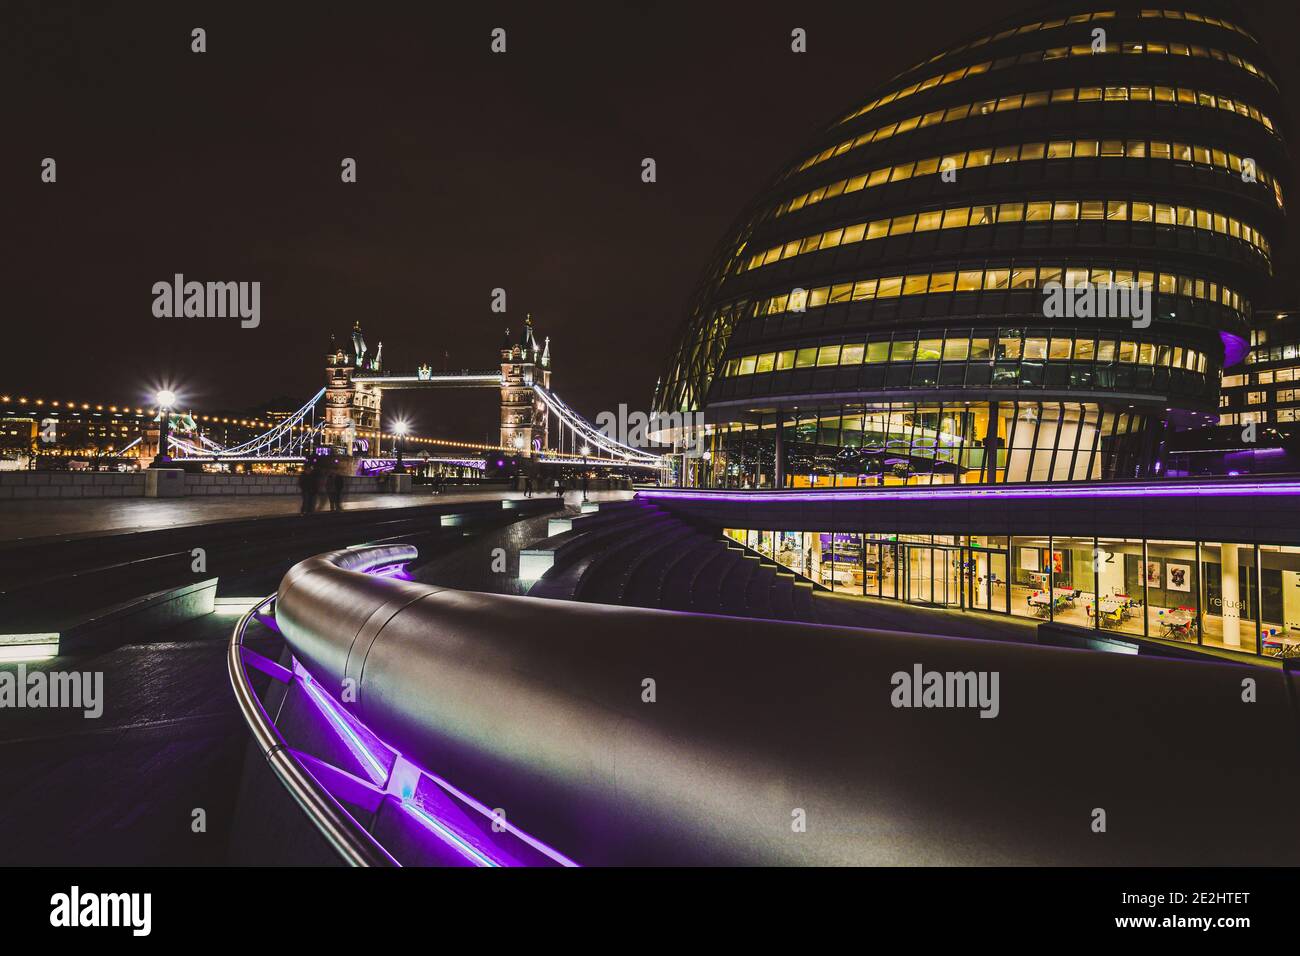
1028, 152
1261, 417
1236, 397
1251, 418
953, 348
1196, 18
927, 443
1155, 47
1275, 353
1054, 210
1019, 277
1234, 597
1013, 375
1021, 101
1275, 375
1078, 18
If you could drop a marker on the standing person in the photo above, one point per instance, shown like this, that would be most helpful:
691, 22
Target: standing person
322, 485
336, 485
309, 484
559, 489
528, 486
584, 486
437, 483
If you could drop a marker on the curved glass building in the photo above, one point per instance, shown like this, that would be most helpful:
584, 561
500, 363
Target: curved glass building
1027, 258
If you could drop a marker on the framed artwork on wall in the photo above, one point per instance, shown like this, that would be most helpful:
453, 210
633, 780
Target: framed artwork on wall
1178, 576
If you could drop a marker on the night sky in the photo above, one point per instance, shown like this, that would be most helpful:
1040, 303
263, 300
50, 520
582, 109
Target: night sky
475, 171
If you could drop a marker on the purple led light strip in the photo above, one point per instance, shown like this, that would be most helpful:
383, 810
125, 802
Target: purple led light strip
976, 493
391, 571
338, 719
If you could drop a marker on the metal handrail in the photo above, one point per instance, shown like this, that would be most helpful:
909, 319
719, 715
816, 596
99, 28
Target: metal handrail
537, 705
349, 839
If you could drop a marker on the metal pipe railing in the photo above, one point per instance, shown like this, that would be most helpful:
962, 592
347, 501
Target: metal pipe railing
348, 838
635, 736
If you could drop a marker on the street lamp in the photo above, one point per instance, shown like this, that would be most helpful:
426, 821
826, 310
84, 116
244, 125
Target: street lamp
400, 428
165, 398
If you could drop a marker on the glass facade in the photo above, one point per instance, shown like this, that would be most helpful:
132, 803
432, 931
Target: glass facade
1258, 430
1267, 389
1028, 152
886, 309
1140, 93
1037, 210
918, 443
1241, 598
1151, 48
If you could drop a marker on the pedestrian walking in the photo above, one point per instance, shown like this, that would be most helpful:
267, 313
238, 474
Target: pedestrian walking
309, 485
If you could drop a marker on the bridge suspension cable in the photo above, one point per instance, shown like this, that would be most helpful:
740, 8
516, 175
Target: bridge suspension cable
281, 432
278, 441
579, 426
294, 437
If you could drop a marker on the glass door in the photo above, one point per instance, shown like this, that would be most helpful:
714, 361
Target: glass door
947, 584
932, 575
975, 578
984, 579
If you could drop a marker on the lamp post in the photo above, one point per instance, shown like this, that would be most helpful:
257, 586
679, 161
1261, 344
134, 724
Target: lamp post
400, 428
165, 398
520, 472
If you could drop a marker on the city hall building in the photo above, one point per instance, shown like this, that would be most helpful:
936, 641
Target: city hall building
878, 313
948, 355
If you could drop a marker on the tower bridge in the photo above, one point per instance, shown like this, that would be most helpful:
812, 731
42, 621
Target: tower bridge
536, 426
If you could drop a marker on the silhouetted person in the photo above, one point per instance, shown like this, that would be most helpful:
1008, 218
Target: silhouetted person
584, 486
437, 484
559, 489
309, 483
337, 483
528, 486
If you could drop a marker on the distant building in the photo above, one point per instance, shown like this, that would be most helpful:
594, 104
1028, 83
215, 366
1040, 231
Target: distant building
1258, 431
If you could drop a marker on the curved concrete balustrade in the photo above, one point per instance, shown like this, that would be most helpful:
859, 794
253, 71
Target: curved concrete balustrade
536, 706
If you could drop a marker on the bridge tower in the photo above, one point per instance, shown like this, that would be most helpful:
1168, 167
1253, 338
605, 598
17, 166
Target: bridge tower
524, 421
352, 409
